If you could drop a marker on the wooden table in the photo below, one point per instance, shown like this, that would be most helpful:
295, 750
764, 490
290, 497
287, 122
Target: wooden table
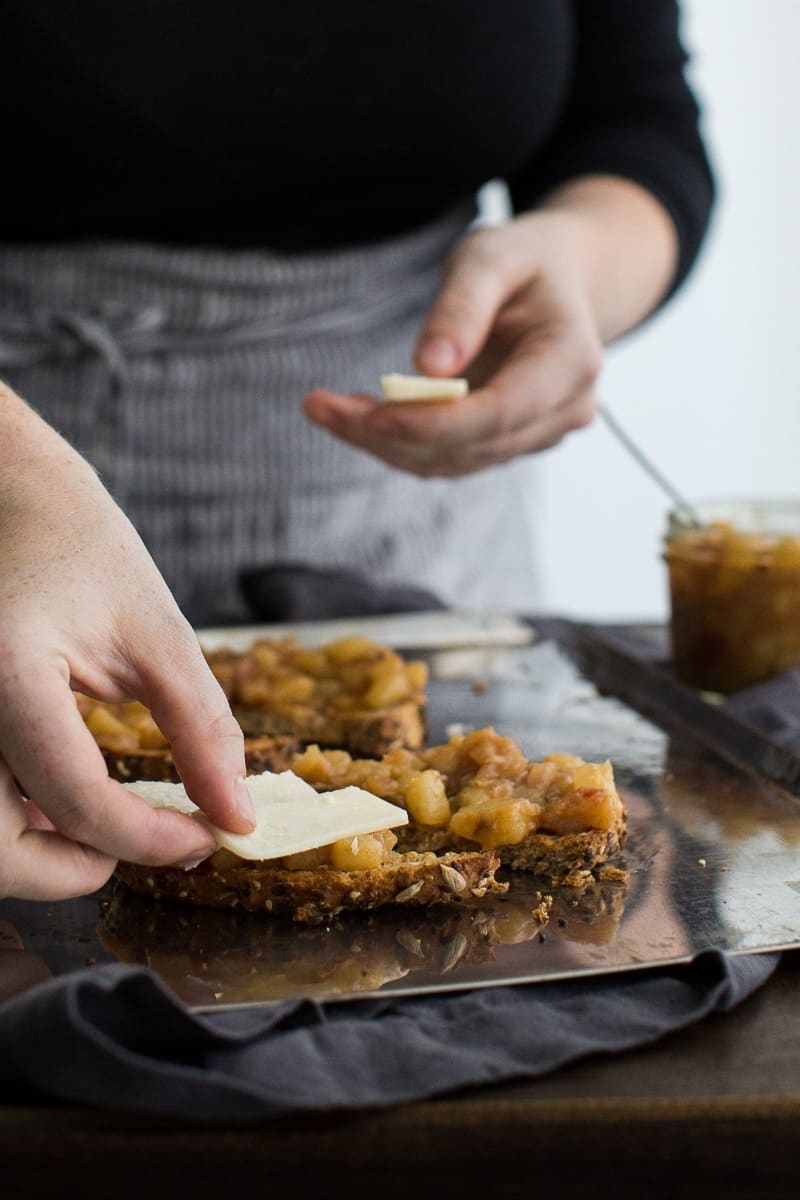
711, 1111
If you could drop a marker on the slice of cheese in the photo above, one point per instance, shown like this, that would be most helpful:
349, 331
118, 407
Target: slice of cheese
290, 815
422, 387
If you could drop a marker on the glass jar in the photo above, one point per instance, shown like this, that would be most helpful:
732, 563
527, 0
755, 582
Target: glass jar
734, 592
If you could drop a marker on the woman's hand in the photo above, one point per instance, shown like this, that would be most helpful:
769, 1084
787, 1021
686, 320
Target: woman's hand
524, 312
84, 607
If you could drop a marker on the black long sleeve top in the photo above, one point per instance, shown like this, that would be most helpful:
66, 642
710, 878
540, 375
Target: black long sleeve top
306, 124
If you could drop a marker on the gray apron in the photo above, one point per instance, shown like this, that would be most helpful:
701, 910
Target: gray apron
180, 374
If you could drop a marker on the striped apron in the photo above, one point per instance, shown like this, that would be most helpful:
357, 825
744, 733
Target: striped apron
180, 373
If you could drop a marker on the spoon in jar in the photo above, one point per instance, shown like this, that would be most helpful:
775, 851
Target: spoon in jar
688, 513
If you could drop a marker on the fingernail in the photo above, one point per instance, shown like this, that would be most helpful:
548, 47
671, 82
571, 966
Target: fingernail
243, 801
202, 850
194, 860
438, 354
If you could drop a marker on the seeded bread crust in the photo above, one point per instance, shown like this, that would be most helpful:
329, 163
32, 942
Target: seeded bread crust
316, 896
365, 732
261, 754
567, 859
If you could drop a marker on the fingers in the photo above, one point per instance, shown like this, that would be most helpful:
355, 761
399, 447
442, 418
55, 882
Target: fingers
192, 711
574, 413
542, 390
39, 865
338, 412
47, 866
478, 279
50, 751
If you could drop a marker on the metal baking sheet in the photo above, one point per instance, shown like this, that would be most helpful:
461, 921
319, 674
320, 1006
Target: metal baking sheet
417, 630
713, 855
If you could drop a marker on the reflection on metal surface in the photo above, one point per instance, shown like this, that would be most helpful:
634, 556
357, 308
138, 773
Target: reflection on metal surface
212, 958
713, 856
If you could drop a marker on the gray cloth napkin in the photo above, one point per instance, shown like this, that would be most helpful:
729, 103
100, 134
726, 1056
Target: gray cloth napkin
773, 707
298, 592
115, 1037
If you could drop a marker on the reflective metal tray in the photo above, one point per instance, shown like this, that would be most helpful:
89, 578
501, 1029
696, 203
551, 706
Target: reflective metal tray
713, 853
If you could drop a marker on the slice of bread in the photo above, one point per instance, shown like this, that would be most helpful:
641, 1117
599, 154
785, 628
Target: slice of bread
352, 692
569, 860
320, 894
561, 818
362, 731
475, 803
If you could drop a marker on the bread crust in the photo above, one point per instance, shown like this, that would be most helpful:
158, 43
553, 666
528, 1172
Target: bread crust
569, 859
261, 754
315, 896
366, 732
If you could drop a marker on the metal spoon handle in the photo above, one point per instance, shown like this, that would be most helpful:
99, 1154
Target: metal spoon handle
652, 470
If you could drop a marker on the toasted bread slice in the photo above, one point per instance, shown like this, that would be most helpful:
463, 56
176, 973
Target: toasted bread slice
568, 860
351, 692
561, 818
321, 893
362, 731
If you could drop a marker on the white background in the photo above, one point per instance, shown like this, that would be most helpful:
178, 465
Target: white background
711, 388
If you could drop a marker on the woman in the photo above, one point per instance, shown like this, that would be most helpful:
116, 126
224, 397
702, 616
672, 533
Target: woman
247, 214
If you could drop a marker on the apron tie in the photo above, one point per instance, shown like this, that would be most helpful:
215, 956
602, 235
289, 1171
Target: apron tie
110, 332
117, 332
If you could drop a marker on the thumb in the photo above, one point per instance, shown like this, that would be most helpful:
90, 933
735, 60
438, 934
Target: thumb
463, 314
